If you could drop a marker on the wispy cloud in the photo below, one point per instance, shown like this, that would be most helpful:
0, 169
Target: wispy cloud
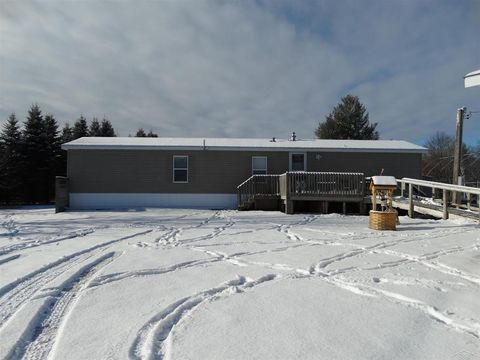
250, 68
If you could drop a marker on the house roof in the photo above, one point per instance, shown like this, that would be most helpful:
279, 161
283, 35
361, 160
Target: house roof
472, 79
231, 144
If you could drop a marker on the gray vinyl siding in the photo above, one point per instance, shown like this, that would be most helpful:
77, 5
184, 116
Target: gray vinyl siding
394, 164
150, 171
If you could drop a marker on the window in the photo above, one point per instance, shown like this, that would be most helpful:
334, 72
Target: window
180, 169
298, 161
259, 165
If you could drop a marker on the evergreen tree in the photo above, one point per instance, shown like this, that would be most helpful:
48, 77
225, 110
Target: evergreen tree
94, 128
53, 156
348, 120
10, 160
152, 134
35, 153
80, 128
140, 133
51, 128
106, 128
67, 134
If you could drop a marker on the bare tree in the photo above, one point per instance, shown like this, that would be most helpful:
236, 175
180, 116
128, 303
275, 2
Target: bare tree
438, 162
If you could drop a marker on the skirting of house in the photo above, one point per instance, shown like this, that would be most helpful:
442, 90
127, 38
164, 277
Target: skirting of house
166, 200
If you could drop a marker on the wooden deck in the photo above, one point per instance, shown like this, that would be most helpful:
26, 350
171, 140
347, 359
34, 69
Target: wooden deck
287, 188
275, 192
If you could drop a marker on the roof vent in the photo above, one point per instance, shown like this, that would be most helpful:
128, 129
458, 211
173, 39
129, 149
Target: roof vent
294, 137
273, 139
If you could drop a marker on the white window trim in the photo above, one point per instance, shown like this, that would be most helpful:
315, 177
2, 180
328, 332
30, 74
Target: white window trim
266, 164
174, 168
297, 153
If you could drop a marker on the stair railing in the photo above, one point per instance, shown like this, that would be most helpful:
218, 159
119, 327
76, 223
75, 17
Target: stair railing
257, 185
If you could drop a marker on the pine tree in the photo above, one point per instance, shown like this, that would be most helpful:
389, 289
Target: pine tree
152, 134
94, 128
80, 128
140, 133
348, 120
53, 156
10, 160
35, 153
11, 136
51, 128
106, 128
67, 134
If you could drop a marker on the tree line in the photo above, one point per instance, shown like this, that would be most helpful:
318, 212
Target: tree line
31, 154
81, 128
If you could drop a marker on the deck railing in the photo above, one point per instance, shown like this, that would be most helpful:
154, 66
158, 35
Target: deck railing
329, 185
303, 185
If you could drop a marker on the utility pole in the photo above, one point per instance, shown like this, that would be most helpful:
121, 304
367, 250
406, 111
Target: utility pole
457, 153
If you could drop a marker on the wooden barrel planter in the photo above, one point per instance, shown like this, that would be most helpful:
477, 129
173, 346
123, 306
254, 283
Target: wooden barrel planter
382, 220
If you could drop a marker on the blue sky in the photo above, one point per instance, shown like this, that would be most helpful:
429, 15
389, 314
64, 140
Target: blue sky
242, 68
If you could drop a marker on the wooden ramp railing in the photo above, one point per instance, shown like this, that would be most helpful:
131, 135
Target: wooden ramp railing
444, 205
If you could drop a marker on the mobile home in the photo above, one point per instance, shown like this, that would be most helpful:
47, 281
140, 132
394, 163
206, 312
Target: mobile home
205, 172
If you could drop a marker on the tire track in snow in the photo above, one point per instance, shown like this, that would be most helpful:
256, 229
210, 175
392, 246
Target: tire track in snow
471, 327
172, 236
10, 258
391, 237
452, 271
212, 235
154, 338
322, 264
29, 244
377, 248
14, 295
216, 256
44, 329
424, 259
238, 259
216, 215
287, 229
106, 279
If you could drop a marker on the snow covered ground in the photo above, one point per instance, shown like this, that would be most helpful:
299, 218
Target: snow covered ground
193, 284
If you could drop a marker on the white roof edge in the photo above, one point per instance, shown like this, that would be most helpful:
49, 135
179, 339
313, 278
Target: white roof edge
473, 73
472, 79
235, 144
233, 148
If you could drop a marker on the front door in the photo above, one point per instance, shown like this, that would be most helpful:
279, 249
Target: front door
298, 162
